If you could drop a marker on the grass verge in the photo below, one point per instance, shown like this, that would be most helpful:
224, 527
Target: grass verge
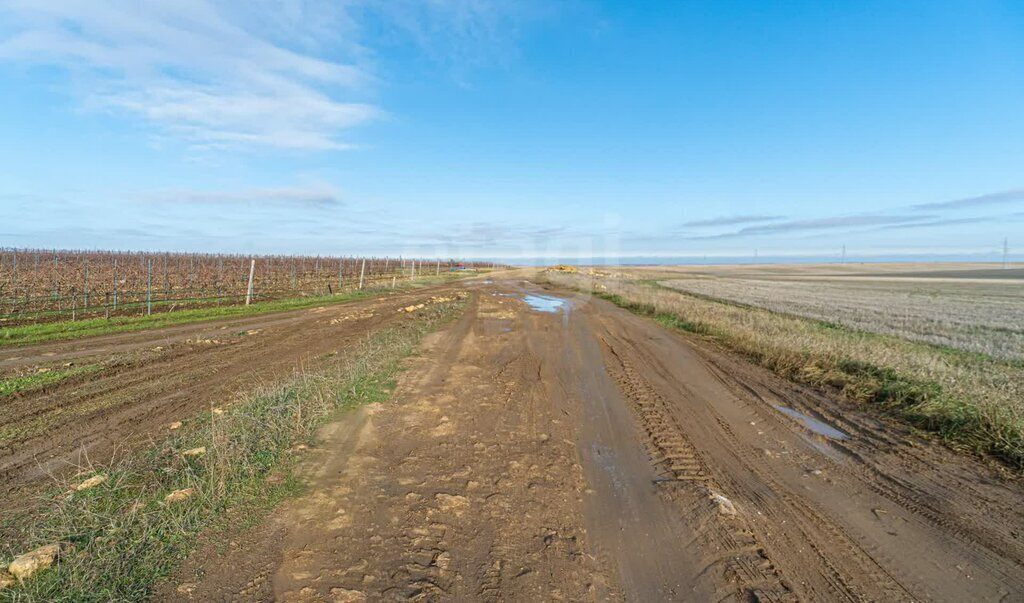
969, 400
122, 535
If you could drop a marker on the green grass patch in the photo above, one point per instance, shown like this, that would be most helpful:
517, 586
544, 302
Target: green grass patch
38, 333
34, 381
121, 537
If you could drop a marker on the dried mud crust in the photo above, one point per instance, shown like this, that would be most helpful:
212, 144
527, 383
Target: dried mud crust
589, 454
152, 378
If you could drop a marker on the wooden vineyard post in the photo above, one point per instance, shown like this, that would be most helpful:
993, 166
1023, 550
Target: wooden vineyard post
248, 292
115, 284
149, 287
362, 272
393, 279
340, 266
412, 274
438, 272
14, 283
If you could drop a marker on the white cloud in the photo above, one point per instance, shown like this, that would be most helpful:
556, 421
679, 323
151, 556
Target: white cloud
193, 70
321, 194
287, 74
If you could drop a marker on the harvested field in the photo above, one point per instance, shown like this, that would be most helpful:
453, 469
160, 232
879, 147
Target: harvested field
985, 317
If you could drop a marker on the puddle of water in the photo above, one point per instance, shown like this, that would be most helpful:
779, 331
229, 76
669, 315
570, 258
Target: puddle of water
818, 427
544, 303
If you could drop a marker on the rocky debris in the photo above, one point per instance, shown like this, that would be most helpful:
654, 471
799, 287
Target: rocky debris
348, 317
451, 503
206, 341
174, 425
186, 588
24, 566
92, 482
254, 331
434, 300
198, 451
217, 411
179, 495
725, 506
344, 595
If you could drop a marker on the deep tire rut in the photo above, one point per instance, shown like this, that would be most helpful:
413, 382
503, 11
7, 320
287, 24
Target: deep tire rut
745, 568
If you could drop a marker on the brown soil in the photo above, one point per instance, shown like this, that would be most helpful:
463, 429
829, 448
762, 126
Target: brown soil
152, 378
589, 454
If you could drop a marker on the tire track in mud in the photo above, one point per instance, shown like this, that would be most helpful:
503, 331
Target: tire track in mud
740, 558
962, 509
835, 517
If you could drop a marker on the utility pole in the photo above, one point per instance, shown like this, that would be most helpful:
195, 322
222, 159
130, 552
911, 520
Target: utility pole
844, 254
1006, 251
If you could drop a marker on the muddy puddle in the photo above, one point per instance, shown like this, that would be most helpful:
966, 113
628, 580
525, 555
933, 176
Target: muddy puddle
544, 303
819, 427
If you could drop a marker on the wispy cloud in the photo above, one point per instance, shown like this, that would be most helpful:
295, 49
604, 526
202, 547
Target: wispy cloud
300, 195
188, 67
278, 74
821, 224
934, 223
731, 221
1009, 196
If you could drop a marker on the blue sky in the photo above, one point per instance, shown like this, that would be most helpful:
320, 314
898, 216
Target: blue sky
513, 129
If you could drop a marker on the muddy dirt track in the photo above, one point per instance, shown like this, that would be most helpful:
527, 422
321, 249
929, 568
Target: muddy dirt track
574, 451
151, 378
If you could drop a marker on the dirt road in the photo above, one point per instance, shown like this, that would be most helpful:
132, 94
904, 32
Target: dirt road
569, 450
149, 379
